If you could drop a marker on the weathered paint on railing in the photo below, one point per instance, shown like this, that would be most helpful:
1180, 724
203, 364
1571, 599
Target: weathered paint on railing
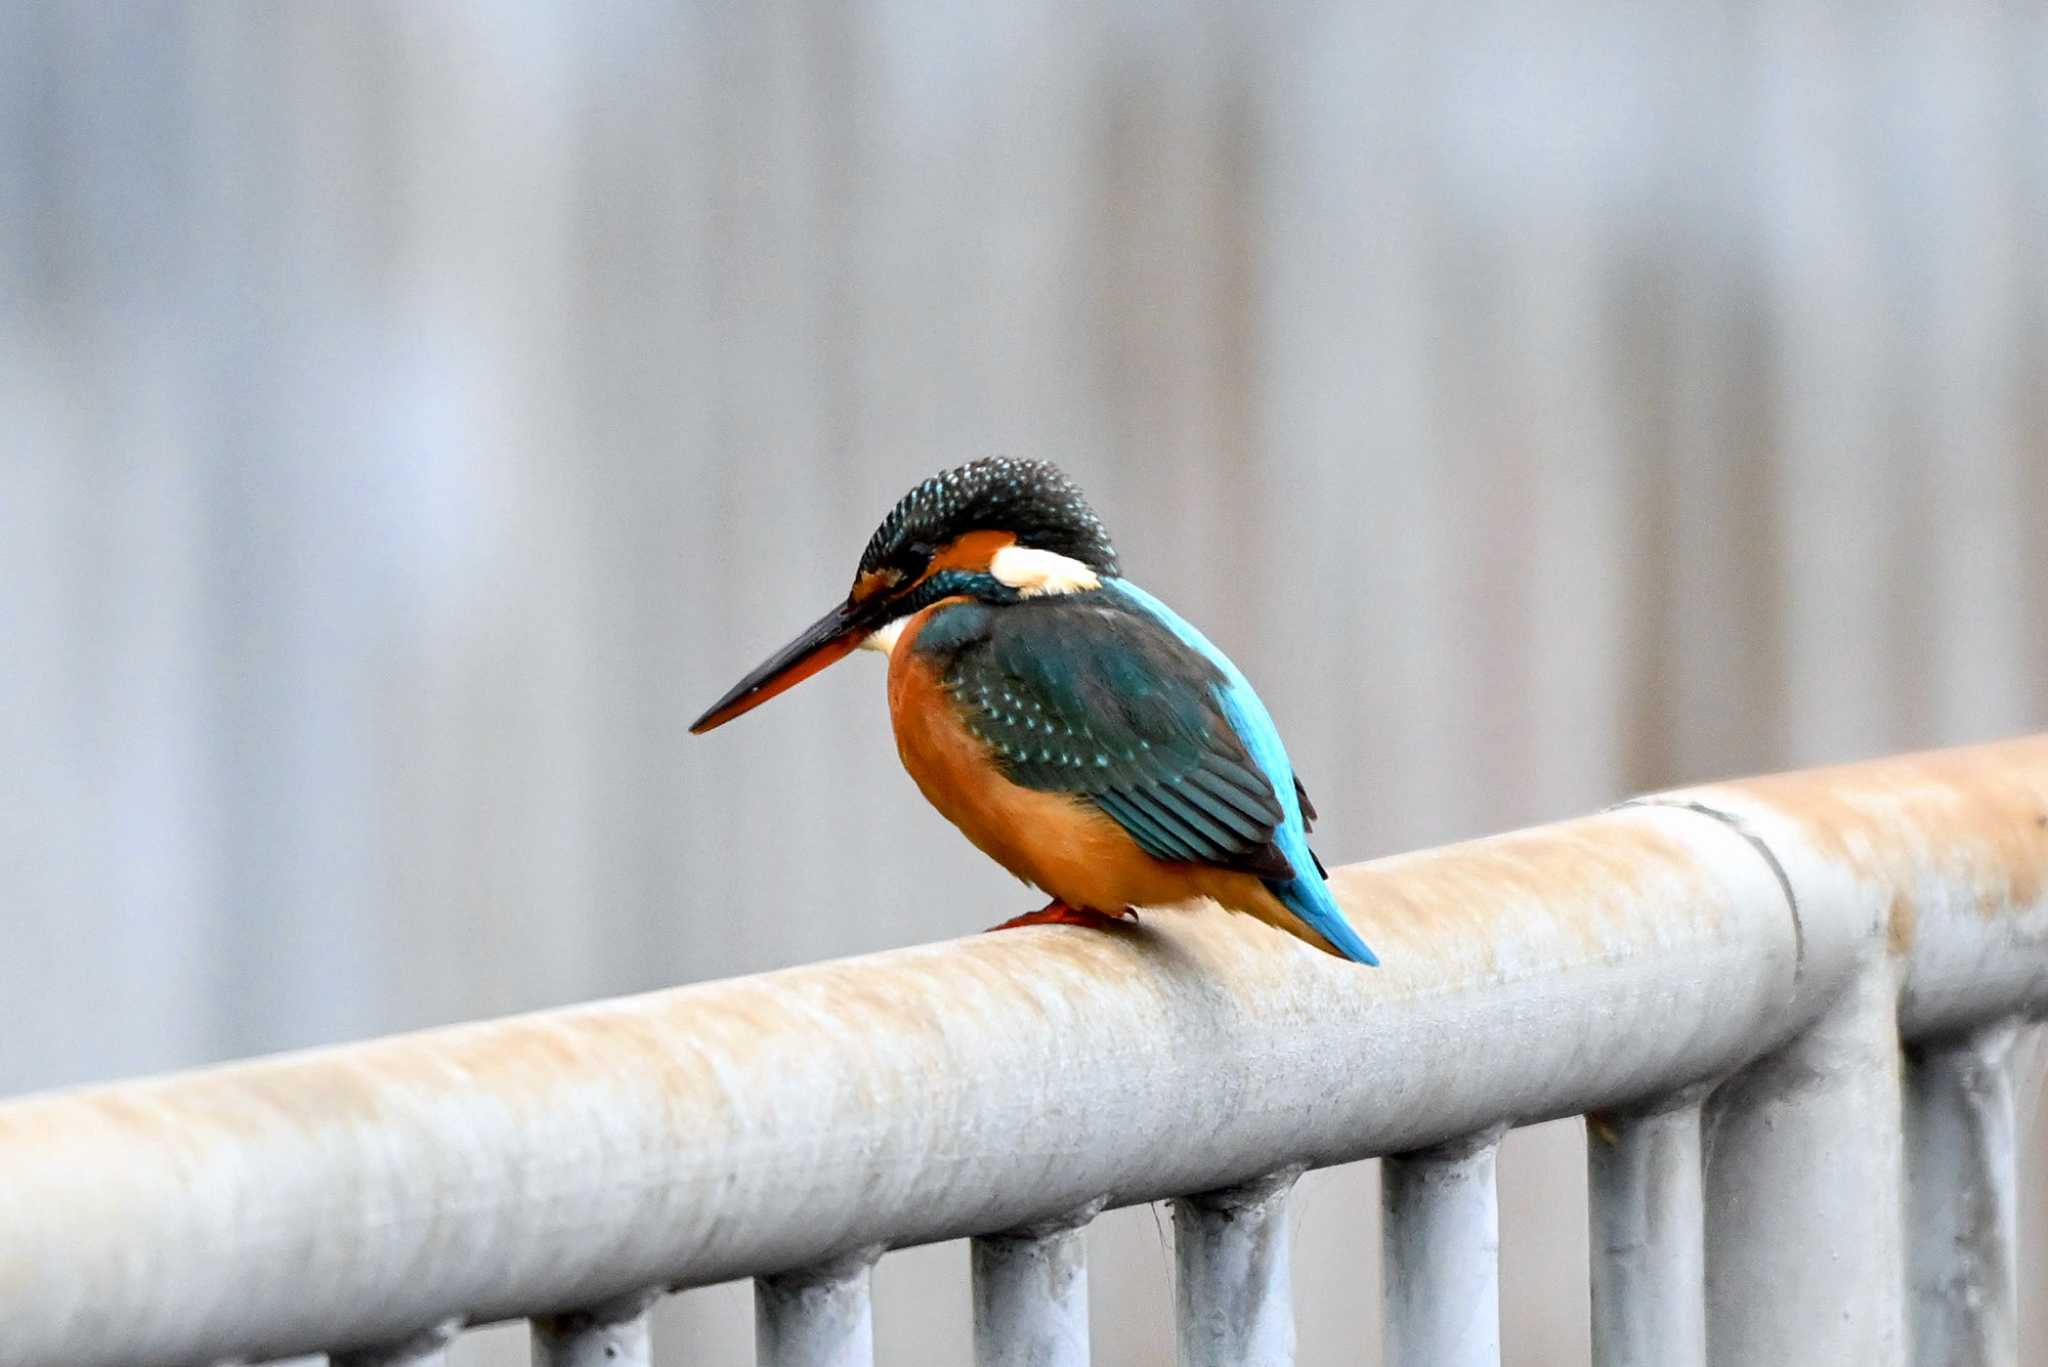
1030, 1291
1440, 1224
1234, 1275
782, 1125
1962, 1218
1648, 1244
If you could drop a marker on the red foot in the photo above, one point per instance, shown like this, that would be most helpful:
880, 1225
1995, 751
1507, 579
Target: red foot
1058, 913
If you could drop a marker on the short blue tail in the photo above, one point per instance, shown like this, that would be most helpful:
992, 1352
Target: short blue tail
1309, 898
1306, 894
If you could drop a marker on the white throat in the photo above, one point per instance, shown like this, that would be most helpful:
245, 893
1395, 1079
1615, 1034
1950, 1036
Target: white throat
885, 639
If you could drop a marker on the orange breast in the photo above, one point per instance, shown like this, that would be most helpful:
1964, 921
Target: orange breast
1055, 841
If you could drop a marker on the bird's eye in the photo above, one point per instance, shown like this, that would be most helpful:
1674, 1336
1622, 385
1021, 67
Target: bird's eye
911, 561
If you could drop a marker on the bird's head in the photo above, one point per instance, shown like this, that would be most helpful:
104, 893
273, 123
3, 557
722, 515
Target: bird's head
998, 530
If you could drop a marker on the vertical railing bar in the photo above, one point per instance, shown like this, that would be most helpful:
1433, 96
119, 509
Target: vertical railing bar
1440, 1272
1962, 1199
1648, 1240
1805, 1193
819, 1316
428, 1348
1031, 1294
1234, 1294
612, 1334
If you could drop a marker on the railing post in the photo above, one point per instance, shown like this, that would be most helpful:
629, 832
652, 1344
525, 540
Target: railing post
1234, 1293
614, 1334
1031, 1295
1963, 1201
817, 1316
1648, 1246
1804, 1180
1440, 1273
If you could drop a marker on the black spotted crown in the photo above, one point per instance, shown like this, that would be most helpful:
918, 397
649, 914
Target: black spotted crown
1031, 498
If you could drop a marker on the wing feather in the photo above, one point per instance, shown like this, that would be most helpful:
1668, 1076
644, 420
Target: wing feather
1308, 809
1087, 695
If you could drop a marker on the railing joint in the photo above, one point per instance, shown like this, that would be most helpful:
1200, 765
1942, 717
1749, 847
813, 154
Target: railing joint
1454, 1150
415, 1350
614, 1311
1756, 842
1050, 1227
1606, 1123
1229, 1201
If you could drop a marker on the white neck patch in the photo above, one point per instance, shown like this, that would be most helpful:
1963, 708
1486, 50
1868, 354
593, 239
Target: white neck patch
885, 639
1035, 572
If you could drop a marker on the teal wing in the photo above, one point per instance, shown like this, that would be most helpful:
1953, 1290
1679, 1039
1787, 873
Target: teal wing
1087, 696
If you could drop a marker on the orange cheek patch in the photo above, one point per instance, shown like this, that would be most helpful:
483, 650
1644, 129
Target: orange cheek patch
973, 552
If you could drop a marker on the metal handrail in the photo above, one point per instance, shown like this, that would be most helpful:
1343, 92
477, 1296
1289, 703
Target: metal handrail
1786, 931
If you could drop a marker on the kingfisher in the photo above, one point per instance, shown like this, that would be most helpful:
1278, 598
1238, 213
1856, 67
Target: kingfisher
1076, 729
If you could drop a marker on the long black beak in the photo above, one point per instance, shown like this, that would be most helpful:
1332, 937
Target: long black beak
832, 637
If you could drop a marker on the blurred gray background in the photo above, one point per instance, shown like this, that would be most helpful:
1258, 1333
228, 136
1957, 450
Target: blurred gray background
412, 415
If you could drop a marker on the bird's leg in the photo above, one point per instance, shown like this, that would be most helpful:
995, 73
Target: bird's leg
1058, 913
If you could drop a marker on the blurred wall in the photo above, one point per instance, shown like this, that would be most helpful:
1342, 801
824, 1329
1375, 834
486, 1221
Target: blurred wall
415, 413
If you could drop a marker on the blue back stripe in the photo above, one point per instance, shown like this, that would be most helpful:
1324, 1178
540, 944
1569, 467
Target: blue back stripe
1305, 894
